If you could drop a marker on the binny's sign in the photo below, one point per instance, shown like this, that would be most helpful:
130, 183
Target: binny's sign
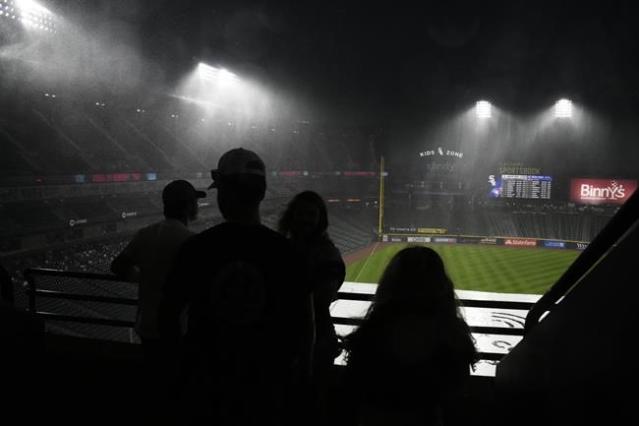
601, 191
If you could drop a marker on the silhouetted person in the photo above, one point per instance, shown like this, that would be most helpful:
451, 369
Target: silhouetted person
151, 253
147, 260
305, 223
410, 357
249, 326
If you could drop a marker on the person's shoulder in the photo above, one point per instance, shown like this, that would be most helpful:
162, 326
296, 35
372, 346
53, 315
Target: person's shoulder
326, 250
214, 233
330, 247
257, 234
273, 241
268, 232
144, 235
201, 238
214, 236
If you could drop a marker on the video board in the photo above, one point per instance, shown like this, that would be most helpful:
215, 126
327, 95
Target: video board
521, 186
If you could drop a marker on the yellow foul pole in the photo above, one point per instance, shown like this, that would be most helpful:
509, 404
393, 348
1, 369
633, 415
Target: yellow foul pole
380, 226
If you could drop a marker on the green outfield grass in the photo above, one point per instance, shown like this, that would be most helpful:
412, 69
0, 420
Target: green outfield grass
476, 267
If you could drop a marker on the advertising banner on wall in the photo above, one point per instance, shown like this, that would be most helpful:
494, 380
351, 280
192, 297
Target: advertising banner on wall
488, 241
554, 244
601, 191
431, 230
468, 240
445, 240
418, 239
520, 242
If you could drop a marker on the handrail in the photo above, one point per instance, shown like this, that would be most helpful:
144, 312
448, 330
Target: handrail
506, 331
468, 303
33, 292
604, 241
72, 274
86, 297
84, 320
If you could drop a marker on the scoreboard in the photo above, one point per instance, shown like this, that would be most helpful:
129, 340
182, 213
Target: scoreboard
522, 186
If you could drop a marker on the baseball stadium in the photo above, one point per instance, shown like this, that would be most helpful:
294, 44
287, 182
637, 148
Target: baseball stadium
503, 136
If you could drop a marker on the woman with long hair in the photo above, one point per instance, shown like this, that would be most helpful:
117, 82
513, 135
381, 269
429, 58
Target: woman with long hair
411, 355
305, 223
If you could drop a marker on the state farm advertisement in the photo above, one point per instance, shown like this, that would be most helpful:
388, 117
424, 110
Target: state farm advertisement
520, 242
601, 191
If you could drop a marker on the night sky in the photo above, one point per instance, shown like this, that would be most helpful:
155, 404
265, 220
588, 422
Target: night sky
407, 74
394, 60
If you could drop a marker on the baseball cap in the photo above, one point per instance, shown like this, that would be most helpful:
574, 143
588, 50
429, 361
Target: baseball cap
238, 161
180, 190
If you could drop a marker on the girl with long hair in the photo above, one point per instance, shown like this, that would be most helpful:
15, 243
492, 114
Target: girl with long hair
411, 355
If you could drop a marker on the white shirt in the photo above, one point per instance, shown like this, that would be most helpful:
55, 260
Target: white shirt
153, 250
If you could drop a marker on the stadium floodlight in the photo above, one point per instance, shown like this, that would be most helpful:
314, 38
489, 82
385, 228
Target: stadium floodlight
483, 109
226, 76
563, 108
32, 8
34, 16
210, 73
206, 71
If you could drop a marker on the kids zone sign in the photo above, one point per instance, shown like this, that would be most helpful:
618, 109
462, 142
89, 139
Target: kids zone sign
601, 191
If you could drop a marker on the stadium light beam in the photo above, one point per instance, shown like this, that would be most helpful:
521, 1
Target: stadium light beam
563, 108
210, 73
207, 71
226, 76
483, 109
32, 15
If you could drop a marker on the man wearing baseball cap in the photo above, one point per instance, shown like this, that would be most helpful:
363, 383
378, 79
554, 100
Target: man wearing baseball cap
149, 255
250, 317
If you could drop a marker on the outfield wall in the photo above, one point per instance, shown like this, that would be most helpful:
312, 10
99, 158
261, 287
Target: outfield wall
484, 240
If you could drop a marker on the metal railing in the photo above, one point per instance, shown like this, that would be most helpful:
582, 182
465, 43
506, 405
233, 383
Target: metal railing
620, 223
34, 293
467, 303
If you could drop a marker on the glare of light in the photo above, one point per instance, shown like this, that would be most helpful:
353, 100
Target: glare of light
33, 15
563, 108
30, 6
483, 109
226, 76
208, 72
